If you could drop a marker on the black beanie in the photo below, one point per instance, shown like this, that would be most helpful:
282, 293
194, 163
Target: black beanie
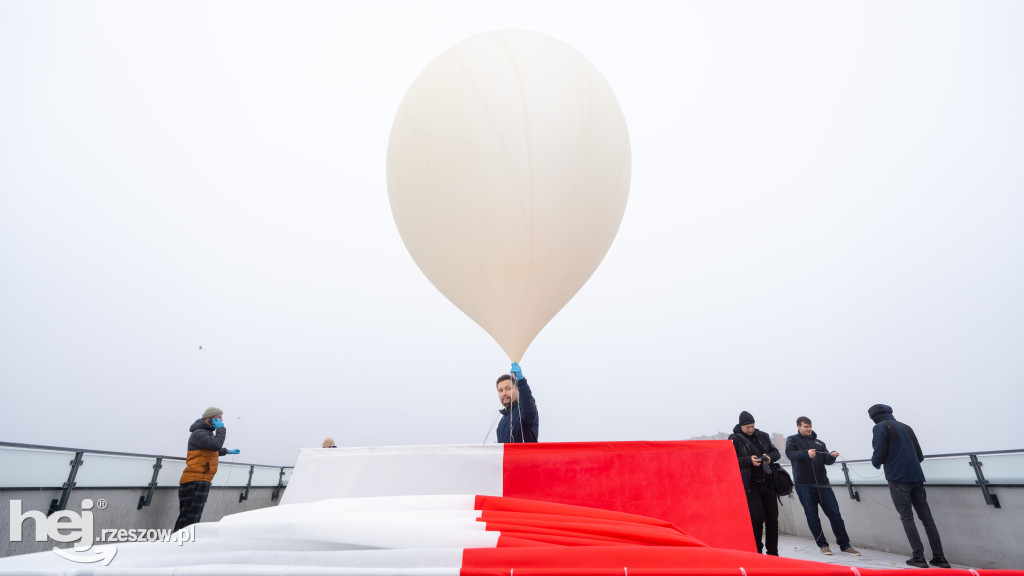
746, 418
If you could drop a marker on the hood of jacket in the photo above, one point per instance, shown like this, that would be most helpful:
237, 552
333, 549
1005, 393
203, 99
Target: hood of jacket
200, 424
739, 430
879, 412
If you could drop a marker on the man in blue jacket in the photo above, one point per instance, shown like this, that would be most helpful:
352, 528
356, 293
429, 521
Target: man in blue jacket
809, 457
895, 446
520, 420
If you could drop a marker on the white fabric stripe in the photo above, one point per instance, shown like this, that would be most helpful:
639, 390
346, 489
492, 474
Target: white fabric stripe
401, 522
408, 535
231, 558
322, 473
454, 504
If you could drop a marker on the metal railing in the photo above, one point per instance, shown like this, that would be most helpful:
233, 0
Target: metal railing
1005, 468
32, 466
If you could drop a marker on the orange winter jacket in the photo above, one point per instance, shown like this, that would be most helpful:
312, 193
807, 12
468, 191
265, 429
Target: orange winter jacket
205, 447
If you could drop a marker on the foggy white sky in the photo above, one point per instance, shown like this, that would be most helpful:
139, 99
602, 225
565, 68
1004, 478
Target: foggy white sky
826, 211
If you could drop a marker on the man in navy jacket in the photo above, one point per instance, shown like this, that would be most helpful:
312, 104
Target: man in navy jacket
520, 420
896, 447
809, 457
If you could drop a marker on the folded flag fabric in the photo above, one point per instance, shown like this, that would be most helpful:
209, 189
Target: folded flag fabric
441, 535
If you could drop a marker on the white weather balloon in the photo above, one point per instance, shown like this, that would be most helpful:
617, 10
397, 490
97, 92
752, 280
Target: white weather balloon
508, 171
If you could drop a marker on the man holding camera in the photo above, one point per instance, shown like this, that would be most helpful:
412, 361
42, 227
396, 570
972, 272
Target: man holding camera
755, 451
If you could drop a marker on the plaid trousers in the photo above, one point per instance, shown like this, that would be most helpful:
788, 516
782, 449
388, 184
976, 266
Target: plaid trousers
191, 501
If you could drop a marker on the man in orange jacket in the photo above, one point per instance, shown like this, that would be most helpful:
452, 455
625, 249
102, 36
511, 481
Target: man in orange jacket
205, 447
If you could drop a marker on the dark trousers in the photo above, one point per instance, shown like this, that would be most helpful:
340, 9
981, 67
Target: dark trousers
764, 516
191, 501
911, 494
811, 497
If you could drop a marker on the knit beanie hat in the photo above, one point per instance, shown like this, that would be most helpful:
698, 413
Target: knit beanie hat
746, 418
212, 411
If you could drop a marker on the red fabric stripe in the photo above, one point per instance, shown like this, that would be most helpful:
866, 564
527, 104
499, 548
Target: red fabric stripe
490, 515
618, 533
694, 485
537, 539
536, 544
655, 561
506, 541
495, 504
623, 537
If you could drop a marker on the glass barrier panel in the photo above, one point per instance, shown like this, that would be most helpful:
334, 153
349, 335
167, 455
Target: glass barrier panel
948, 470
231, 474
835, 474
860, 473
1001, 468
863, 474
287, 475
170, 474
27, 468
264, 476
109, 470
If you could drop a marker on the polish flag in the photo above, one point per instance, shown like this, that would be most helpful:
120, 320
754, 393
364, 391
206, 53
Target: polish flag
695, 485
440, 535
586, 509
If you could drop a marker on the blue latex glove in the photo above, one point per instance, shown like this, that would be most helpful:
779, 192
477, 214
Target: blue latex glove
217, 423
517, 371
234, 451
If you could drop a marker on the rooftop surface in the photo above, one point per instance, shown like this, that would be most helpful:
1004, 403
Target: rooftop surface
805, 549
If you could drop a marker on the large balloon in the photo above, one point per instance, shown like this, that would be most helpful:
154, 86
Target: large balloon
508, 172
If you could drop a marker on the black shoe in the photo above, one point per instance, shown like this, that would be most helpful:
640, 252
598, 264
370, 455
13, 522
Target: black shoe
940, 562
917, 563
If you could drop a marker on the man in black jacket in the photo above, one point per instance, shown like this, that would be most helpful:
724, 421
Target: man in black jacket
895, 445
754, 452
809, 457
520, 419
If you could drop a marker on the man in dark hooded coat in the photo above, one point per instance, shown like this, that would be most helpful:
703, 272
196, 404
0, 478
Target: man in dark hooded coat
896, 447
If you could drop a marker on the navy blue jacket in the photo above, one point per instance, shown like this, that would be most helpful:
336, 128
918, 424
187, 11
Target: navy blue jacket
521, 421
896, 447
806, 470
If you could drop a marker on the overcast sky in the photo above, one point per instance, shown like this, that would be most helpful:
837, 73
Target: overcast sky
826, 212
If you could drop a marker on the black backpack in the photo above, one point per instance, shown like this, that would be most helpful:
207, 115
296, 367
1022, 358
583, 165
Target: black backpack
780, 480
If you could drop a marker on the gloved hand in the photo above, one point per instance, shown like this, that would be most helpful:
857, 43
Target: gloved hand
517, 371
217, 423
234, 451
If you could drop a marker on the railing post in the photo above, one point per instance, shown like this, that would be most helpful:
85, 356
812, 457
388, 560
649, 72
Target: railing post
280, 484
148, 498
990, 498
849, 485
58, 505
245, 496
